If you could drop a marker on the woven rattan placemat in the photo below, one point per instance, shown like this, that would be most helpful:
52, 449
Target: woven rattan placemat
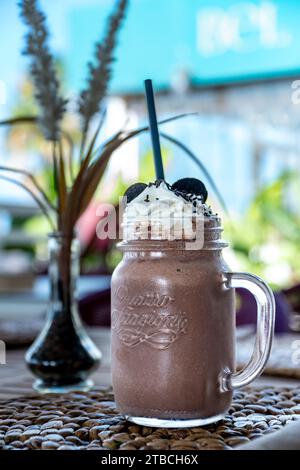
90, 421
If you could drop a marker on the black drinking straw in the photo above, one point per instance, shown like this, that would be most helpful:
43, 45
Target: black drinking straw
159, 169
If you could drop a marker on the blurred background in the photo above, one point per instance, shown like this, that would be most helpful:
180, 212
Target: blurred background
235, 63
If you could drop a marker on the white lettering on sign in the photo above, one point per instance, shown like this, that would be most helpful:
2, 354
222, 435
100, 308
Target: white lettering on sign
244, 27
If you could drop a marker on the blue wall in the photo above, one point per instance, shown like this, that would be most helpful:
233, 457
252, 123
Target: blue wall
214, 41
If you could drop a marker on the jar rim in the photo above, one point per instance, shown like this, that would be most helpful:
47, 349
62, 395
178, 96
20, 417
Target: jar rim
170, 245
144, 238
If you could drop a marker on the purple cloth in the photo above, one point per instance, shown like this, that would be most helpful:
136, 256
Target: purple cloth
95, 309
246, 313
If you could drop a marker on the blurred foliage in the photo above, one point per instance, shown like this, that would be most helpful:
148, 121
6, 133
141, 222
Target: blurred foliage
113, 258
95, 259
266, 240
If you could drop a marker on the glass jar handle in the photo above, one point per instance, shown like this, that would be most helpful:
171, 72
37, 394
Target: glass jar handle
264, 332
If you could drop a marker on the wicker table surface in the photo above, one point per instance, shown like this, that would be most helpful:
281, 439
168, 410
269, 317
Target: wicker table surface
267, 406
89, 421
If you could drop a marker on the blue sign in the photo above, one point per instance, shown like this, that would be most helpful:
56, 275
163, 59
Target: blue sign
212, 41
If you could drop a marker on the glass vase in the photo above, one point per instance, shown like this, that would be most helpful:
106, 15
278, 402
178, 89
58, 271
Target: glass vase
63, 356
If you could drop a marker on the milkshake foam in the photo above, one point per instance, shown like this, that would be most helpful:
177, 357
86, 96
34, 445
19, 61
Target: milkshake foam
159, 212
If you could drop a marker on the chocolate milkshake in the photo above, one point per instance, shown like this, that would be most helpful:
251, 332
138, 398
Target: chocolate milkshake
173, 313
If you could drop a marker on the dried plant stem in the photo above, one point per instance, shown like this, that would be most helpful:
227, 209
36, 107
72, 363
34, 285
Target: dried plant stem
34, 120
19, 120
55, 181
89, 154
94, 138
62, 185
82, 145
70, 142
86, 184
34, 182
100, 72
72, 202
130, 134
36, 198
65, 262
94, 174
42, 68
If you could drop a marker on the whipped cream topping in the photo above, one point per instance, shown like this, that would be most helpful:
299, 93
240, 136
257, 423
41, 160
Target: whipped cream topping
165, 213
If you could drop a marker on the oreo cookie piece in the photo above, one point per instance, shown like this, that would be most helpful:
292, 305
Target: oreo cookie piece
190, 186
134, 190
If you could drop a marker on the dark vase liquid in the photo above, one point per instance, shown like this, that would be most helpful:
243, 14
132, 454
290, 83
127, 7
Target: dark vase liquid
63, 356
